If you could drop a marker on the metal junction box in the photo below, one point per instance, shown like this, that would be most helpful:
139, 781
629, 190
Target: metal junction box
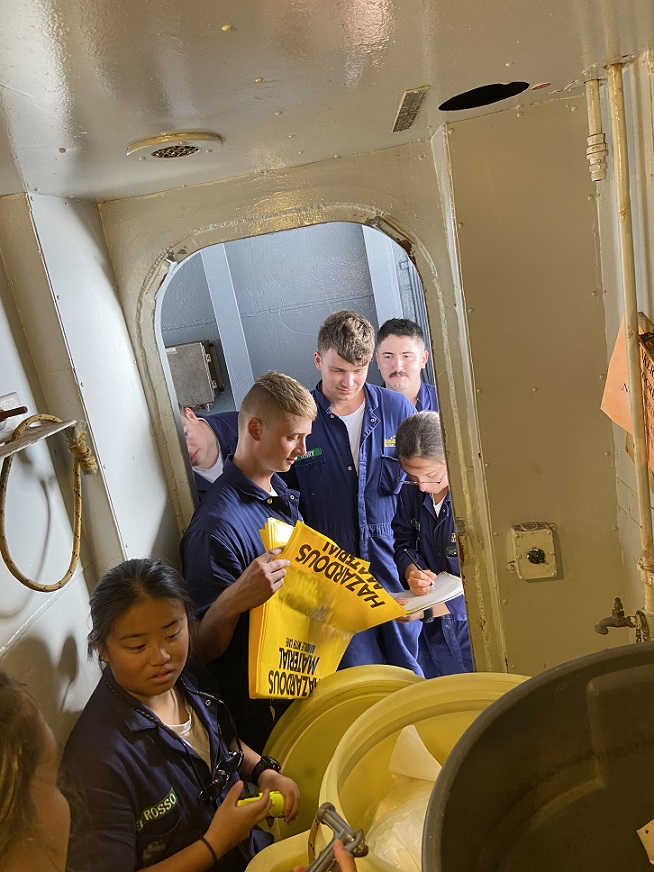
533, 550
195, 373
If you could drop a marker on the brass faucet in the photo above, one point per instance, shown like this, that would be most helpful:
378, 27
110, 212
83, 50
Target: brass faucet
617, 618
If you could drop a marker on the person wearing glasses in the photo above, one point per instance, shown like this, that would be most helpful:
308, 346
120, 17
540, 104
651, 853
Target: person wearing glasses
401, 356
154, 768
425, 543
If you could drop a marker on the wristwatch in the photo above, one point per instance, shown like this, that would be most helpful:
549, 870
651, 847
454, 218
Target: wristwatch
263, 764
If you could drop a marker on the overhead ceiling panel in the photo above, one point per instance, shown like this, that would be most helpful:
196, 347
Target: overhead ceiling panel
284, 83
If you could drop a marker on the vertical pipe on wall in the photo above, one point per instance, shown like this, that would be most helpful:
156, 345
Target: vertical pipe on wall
628, 272
596, 150
593, 104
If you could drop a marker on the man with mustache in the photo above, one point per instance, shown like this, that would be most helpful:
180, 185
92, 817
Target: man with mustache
401, 356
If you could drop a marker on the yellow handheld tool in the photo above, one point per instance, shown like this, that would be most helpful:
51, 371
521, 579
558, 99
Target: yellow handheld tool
277, 798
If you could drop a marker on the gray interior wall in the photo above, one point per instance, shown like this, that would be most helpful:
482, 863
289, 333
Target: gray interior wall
187, 315
396, 286
287, 283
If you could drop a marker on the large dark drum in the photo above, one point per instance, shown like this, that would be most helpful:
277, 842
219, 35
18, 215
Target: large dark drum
555, 776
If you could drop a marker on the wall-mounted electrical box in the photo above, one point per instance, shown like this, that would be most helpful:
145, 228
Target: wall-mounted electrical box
534, 555
195, 373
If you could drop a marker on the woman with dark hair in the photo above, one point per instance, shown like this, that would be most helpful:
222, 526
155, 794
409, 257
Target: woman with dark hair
154, 761
425, 543
34, 816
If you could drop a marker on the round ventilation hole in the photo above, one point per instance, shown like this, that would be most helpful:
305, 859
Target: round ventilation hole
176, 151
169, 145
483, 96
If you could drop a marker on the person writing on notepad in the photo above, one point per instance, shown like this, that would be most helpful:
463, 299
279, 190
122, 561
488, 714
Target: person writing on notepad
425, 543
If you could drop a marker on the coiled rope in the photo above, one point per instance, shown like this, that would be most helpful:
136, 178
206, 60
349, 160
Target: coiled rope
83, 462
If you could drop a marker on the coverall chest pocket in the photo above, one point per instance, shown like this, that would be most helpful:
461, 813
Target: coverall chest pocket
313, 474
162, 831
390, 476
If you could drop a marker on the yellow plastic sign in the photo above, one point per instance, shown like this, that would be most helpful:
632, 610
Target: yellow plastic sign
300, 634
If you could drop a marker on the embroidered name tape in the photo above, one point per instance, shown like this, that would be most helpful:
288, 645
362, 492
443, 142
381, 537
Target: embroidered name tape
315, 452
158, 810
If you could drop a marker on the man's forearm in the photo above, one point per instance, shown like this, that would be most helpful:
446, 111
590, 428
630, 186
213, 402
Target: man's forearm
217, 626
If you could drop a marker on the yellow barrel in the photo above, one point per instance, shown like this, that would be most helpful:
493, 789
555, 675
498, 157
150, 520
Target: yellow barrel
441, 710
305, 737
283, 856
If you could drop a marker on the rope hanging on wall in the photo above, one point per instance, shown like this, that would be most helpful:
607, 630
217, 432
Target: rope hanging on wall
83, 462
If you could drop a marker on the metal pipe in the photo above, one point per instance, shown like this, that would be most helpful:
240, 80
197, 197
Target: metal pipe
621, 170
593, 106
596, 150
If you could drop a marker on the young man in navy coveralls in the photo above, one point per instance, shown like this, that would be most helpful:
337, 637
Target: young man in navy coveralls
349, 477
225, 566
210, 439
401, 356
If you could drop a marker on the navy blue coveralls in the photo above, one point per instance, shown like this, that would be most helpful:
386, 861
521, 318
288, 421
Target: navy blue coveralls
134, 784
220, 543
445, 641
427, 399
356, 511
225, 426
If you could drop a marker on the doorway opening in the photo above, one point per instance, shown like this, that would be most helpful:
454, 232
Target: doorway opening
255, 304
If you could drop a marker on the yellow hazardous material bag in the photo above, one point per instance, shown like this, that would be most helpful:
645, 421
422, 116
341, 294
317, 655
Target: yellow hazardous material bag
300, 634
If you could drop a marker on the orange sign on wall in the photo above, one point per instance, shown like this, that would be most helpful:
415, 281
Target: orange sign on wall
616, 401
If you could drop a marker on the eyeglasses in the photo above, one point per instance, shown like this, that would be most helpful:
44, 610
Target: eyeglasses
225, 768
418, 483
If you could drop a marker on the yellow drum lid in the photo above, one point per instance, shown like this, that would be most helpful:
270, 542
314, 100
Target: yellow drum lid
441, 710
305, 737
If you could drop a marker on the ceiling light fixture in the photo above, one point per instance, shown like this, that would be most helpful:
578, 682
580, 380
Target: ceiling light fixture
171, 145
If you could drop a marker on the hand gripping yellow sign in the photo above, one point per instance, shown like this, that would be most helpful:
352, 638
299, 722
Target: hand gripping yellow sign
300, 634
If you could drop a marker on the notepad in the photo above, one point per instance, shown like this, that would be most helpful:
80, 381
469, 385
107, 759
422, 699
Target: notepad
446, 587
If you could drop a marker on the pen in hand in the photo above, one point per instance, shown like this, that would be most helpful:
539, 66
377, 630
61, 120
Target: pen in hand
417, 561
415, 558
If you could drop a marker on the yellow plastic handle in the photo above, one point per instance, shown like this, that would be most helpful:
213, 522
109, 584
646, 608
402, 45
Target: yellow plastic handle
277, 799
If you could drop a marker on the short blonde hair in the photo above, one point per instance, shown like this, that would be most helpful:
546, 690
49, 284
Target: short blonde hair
274, 396
350, 335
